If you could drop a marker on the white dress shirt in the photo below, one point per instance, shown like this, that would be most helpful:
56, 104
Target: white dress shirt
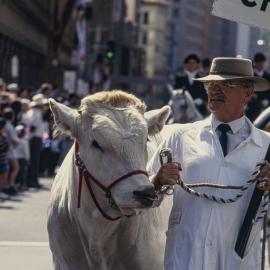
34, 118
202, 234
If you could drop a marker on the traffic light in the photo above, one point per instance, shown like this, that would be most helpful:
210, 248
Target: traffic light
110, 50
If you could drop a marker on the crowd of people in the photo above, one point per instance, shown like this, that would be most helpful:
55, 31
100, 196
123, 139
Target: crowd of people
26, 139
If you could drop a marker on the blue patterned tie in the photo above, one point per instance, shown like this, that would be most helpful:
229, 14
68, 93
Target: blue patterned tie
224, 128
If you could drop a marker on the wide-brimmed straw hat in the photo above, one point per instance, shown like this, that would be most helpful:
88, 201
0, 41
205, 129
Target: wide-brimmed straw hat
230, 68
38, 100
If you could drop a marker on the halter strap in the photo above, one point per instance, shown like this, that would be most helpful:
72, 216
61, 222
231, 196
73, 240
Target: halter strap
88, 177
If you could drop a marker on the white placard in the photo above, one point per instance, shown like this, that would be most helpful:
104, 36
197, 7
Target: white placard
82, 88
69, 83
251, 12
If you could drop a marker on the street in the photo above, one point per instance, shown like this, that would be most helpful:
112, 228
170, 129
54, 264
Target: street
23, 238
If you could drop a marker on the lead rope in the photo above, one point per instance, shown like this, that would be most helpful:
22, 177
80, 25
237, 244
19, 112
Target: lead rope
166, 152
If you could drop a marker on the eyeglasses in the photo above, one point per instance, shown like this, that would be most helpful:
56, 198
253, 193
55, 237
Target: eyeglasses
223, 85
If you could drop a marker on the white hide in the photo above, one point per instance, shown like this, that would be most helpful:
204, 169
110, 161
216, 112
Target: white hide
81, 238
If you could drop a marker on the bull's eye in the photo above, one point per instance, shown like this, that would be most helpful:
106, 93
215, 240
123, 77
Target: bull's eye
96, 145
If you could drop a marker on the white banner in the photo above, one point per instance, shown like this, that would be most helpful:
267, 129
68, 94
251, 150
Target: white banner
251, 12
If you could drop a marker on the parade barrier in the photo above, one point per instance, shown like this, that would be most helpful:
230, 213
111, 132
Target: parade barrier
251, 12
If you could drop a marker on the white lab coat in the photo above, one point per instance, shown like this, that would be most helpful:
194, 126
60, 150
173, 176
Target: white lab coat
202, 234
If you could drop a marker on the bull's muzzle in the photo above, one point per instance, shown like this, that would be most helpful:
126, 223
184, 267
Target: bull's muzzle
146, 197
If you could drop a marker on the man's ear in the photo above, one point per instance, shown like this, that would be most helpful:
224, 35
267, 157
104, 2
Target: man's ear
64, 117
248, 94
156, 119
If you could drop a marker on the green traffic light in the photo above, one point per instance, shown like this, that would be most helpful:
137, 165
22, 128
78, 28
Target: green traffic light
109, 54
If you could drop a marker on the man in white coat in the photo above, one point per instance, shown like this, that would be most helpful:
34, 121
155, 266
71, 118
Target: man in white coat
222, 149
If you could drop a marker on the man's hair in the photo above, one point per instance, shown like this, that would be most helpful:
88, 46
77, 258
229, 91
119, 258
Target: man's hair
206, 62
259, 57
192, 57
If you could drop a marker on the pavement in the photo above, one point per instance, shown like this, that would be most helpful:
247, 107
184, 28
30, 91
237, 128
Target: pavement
23, 237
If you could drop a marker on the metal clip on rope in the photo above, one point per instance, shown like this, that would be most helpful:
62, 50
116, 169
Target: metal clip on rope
166, 153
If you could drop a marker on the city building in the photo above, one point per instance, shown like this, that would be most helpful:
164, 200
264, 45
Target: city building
153, 37
111, 37
33, 33
194, 30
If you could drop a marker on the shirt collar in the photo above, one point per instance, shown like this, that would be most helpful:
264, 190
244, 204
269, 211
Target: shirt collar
235, 125
255, 135
209, 124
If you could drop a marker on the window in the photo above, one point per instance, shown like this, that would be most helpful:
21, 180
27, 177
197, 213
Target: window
176, 12
144, 38
145, 18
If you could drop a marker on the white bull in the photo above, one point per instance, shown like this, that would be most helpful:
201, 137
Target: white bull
111, 131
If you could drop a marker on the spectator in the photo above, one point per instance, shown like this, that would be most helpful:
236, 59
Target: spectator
4, 149
206, 65
12, 156
23, 114
259, 65
185, 80
35, 120
23, 155
46, 90
23, 93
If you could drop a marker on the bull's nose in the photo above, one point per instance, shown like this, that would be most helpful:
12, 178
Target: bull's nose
146, 196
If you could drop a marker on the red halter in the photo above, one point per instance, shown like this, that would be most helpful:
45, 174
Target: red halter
84, 173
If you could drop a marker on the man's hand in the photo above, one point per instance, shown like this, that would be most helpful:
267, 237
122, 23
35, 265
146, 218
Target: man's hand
265, 175
168, 174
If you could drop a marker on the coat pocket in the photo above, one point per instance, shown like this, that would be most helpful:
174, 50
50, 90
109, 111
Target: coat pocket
171, 242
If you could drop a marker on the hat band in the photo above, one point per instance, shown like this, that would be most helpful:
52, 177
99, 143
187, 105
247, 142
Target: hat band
230, 74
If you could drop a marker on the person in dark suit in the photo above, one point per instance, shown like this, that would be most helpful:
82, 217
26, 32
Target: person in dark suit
184, 80
260, 100
259, 65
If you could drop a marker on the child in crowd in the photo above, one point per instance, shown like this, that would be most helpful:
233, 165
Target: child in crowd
13, 140
4, 150
23, 155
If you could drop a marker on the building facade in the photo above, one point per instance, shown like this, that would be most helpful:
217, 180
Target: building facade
27, 32
153, 37
195, 30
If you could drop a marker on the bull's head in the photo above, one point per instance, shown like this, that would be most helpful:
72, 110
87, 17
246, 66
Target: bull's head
112, 142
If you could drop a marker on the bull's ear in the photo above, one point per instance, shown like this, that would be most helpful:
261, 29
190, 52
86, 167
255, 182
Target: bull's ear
156, 119
64, 117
